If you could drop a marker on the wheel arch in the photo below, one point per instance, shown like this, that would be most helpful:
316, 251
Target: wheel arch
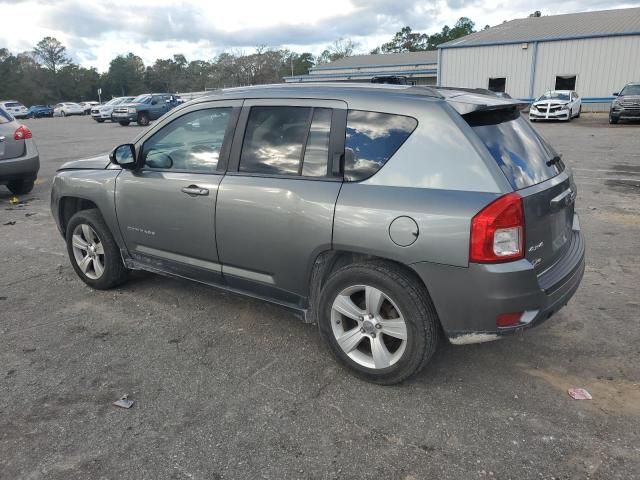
69, 206
329, 261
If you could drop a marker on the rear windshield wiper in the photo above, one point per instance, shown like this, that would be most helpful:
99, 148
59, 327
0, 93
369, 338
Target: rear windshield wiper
554, 160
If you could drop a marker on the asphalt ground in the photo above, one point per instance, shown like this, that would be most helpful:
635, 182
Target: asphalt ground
228, 387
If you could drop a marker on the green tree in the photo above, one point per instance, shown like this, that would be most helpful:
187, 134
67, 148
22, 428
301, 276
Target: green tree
126, 75
536, 14
51, 53
406, 41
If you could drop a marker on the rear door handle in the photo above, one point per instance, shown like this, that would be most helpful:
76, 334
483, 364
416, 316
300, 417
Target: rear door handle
195, 190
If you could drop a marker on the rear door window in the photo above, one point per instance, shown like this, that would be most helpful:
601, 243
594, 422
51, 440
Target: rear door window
373, 138
522, 154
287, 140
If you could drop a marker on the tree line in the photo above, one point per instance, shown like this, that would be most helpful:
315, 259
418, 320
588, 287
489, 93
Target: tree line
46, 75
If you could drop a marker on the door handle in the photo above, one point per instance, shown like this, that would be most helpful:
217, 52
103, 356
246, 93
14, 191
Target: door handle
195, 190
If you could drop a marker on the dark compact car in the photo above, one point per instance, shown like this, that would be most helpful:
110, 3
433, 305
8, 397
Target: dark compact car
40, 111
386, 214
19, 159
626, 106
144, 108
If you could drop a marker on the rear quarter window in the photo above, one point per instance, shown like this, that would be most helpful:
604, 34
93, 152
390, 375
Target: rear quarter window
5, 117
522, 154
373, 138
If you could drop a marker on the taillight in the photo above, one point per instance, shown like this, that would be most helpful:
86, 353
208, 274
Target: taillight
22, 133
497, 231
508, 319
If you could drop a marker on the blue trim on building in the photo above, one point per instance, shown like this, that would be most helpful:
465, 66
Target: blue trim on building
355, 67
542, 40
584, 99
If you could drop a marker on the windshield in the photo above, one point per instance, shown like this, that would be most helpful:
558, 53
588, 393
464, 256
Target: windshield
114, 101
554, 96
146, 98
523, 156
13, 104
631, 90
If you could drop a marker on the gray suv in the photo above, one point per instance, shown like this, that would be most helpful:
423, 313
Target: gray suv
388, 215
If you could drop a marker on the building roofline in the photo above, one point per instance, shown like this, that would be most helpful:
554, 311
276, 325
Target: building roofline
430, 62
444, 46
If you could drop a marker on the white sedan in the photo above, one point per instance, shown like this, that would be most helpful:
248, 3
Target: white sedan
556, 105
67, 108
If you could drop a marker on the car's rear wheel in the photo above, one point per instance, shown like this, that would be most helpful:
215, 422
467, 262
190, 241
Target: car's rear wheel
143, 120
378, 321
124, 124
93, 252
20, 187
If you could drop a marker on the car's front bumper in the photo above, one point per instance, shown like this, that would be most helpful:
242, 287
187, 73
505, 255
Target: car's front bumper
101, 115
124, 117
24, 167
469, 300
543, 115
624, 114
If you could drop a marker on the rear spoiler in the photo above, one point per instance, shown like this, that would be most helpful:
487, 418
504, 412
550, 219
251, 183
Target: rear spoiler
469, 100
470, 103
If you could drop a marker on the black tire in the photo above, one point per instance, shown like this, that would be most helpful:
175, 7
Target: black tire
143, 120
62, 114
413, 303
612, 120
124, 123
115, 273
99, 120
20, 187
579, 112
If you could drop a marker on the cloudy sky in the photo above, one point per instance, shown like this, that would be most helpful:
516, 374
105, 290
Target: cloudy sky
95, 31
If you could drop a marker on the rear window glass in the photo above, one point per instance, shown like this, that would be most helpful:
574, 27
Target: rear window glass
523, 155
13, 104
373, 138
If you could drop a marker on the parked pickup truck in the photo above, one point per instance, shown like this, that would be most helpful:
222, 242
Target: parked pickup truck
144, 108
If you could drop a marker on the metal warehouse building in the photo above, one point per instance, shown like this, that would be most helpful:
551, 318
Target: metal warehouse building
419, 68
594, 53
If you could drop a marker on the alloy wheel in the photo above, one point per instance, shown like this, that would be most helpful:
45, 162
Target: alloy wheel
368, 326
88, 251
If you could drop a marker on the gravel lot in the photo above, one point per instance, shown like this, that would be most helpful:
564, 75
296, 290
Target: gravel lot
227, 387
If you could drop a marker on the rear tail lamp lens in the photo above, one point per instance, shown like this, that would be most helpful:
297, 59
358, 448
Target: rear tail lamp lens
497, 231
22, 133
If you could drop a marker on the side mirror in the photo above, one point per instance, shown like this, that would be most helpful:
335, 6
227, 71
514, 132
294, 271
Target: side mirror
124, 156
615, 94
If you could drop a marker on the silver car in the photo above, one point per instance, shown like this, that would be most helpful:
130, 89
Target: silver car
389, 215
19, 159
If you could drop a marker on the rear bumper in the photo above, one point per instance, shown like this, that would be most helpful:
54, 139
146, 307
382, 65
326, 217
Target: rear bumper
21, 168
468, 300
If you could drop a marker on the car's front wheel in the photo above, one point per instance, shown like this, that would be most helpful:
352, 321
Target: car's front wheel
124, 123
93, 252
612, 120
378, 321
143, 120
